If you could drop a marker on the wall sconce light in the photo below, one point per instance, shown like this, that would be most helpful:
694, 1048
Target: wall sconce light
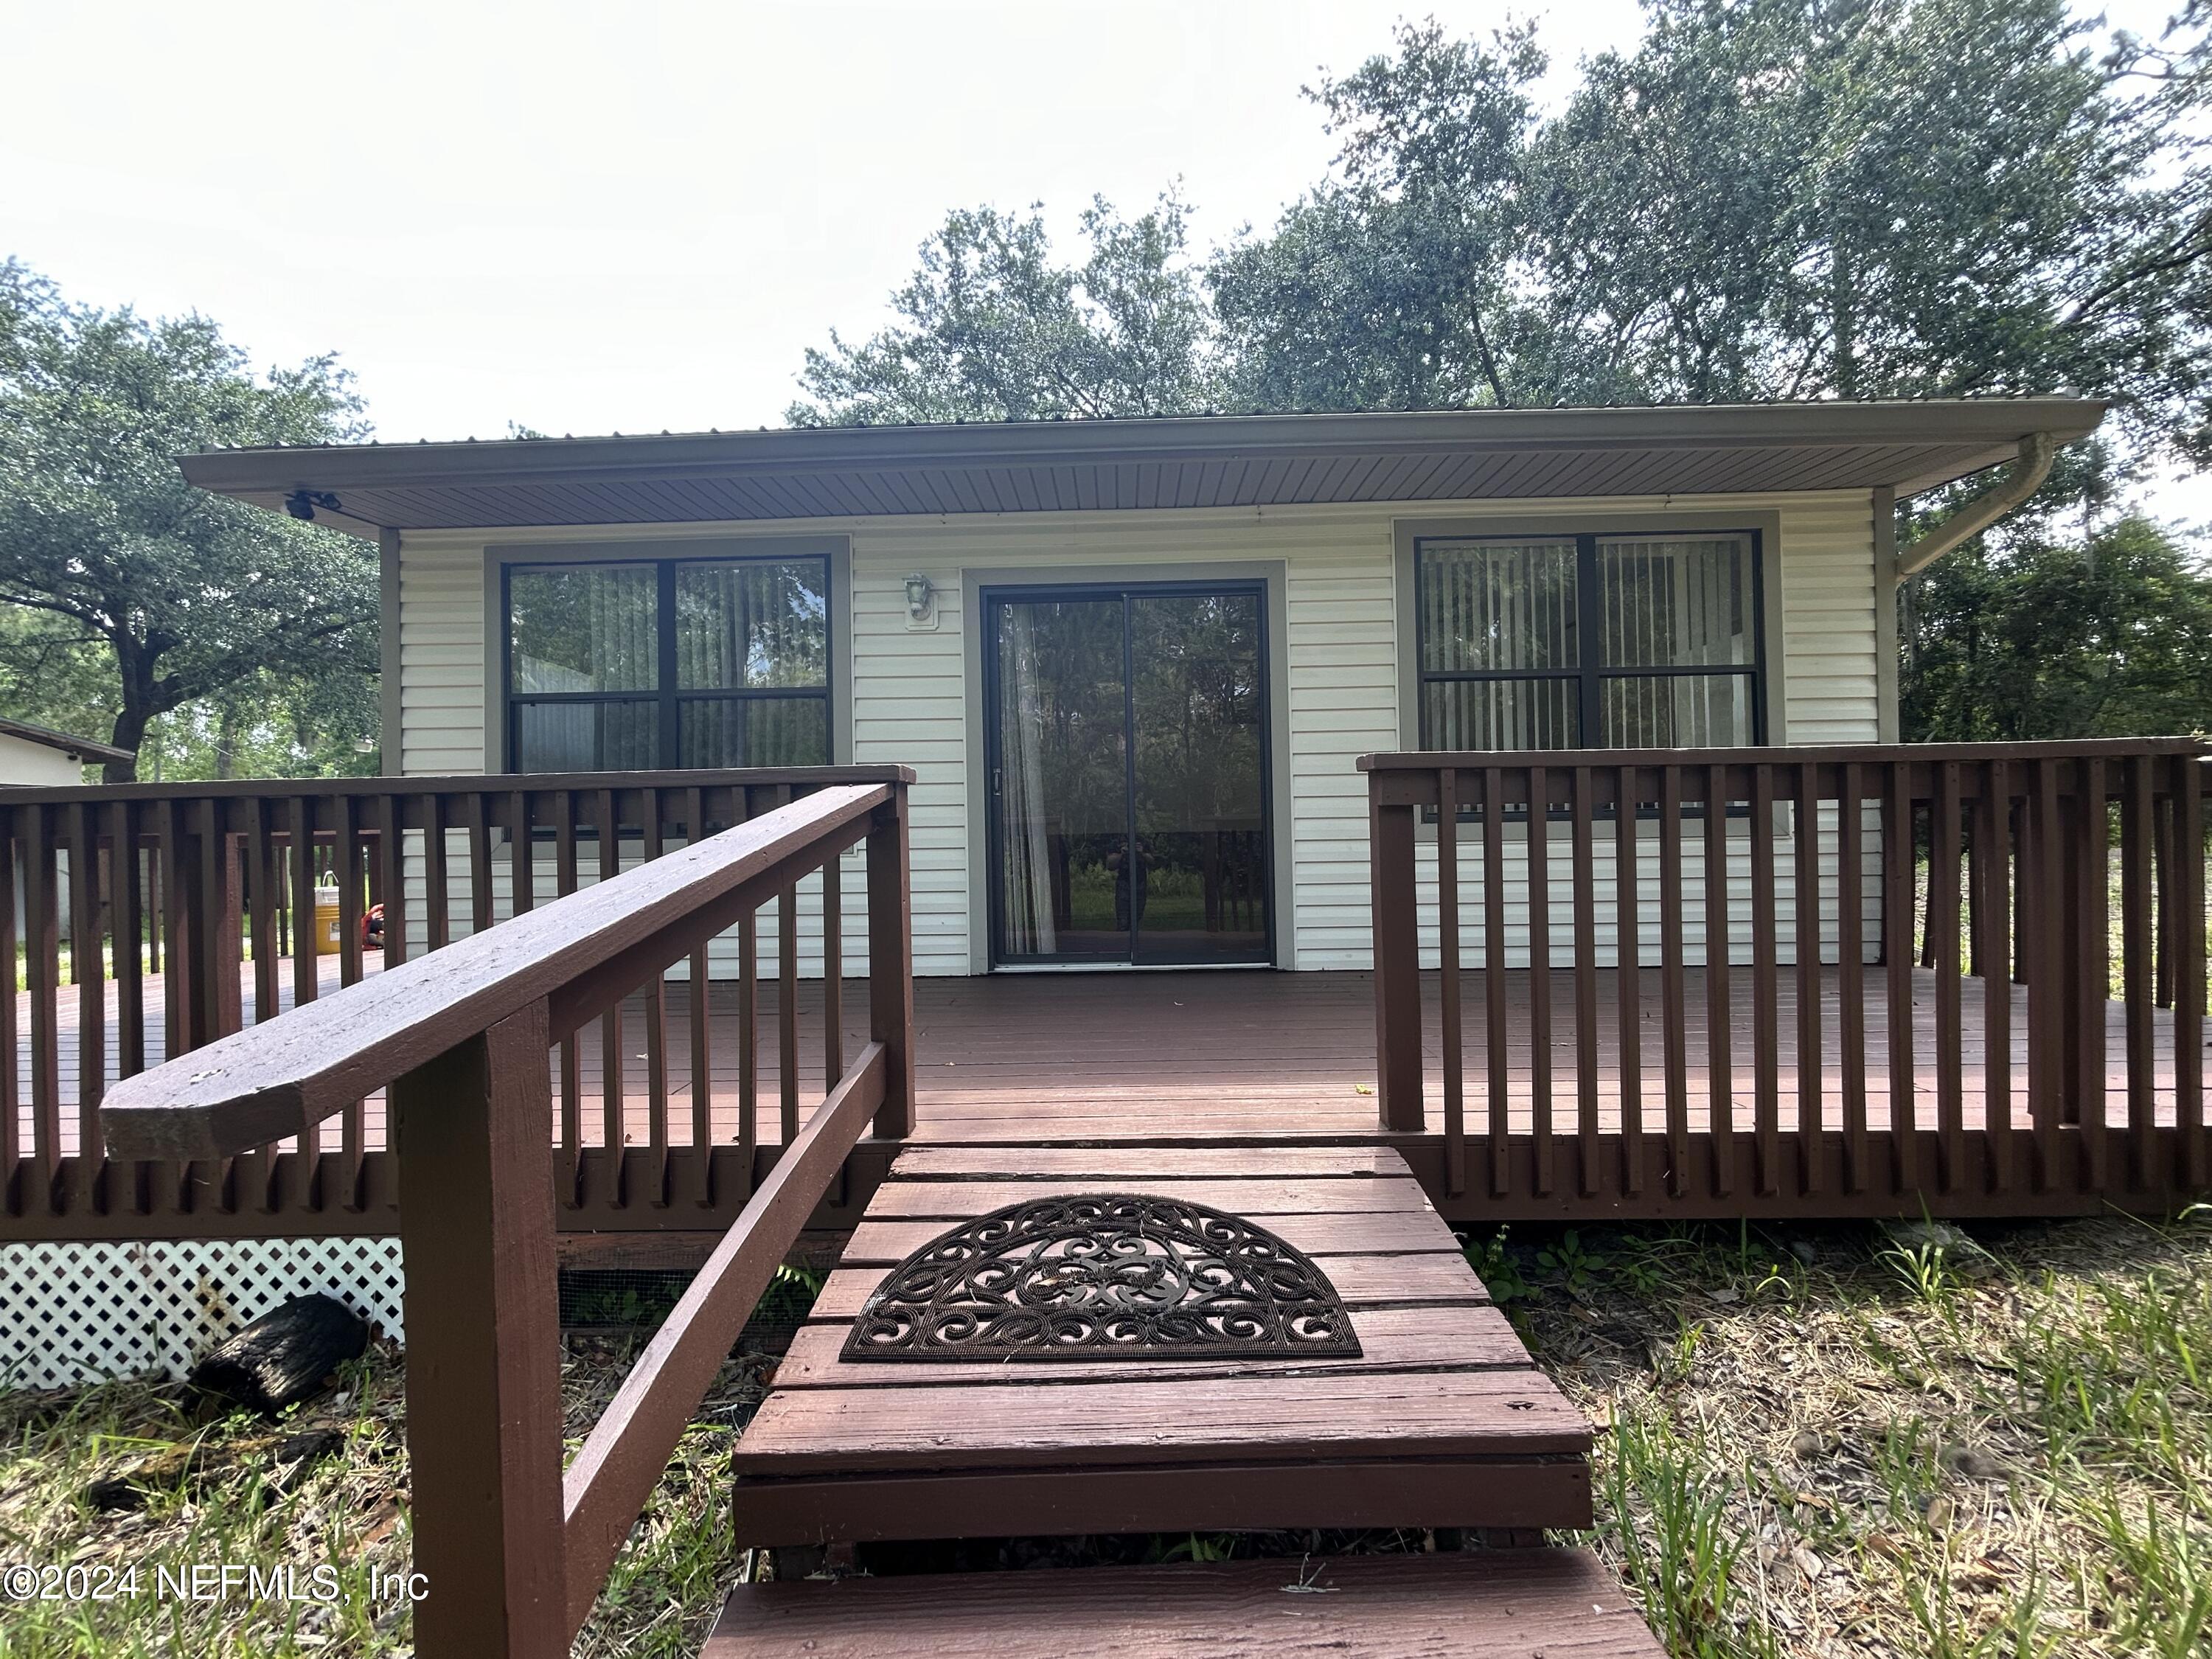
920, 597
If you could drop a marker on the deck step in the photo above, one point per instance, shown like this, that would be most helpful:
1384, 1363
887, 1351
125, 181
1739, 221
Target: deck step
1475, 1604
1443, 1420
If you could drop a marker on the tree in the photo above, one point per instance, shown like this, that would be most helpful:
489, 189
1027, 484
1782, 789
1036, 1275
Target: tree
994, 329
187, 595
1397, 284
1764, 199
1880, 198
2049, 639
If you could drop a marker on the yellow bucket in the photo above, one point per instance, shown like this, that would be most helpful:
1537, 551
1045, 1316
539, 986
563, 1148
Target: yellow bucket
326, 921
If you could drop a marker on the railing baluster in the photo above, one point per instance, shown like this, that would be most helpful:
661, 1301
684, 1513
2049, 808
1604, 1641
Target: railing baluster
1628, 987
392, 838
2047, 971
833, 973
1766, 996
1494, 1033
1539, 839
748, 1049
477, 827
1455, 1058
1898, 952
1582, 827
699, 1010
656, 1028
128, 926
1720, 1032
748, 1033
2138, 925
176, 980
437, 891
572, 1063
2189, 969
1943, 921
42, 965
1850, 973
11, 1052
1674, 990
88, 969
613, 1057
1805, 901
787, 1004
347, 861
1993, 916
2092, 870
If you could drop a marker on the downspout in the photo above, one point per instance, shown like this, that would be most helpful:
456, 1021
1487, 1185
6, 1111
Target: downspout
2025, 478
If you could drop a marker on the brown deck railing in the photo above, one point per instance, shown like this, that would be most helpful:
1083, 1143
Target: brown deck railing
150, 919
514, 1551
1989, 864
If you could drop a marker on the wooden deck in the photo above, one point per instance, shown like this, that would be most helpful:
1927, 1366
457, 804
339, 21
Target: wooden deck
1200, 1058
1442, 1421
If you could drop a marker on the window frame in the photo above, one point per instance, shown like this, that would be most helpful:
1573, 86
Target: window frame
1590, 674
666, 697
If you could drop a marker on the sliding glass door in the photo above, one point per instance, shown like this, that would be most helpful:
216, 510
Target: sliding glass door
1129, 789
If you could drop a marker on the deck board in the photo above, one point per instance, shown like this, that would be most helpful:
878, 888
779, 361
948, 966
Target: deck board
1495, 1604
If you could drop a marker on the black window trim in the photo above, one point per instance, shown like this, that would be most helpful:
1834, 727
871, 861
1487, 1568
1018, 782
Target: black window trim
667, 695
1592, 675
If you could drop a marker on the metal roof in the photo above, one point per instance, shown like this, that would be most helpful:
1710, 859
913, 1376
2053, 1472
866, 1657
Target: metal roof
1239, 460
82, 749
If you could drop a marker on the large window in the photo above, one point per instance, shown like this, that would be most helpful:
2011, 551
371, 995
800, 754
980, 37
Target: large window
1619, 641
645, 665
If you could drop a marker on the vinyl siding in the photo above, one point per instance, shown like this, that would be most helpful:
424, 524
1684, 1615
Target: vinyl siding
909, 686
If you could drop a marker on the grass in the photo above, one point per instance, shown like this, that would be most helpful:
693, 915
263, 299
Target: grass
1823, 1443
1828, 1442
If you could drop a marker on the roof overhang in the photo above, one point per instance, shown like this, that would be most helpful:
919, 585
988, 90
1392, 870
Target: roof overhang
78, 748
1245, 460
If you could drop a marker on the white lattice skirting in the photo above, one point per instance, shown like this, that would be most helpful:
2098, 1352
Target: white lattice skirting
75, 1313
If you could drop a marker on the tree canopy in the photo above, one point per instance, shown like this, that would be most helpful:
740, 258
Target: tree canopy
1764, 199
154, 595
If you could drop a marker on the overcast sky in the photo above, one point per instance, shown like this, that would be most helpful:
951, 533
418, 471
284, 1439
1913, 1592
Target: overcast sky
589, 218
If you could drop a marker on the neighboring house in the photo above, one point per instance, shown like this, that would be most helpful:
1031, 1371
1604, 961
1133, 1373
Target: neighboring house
1132, 661
38, 756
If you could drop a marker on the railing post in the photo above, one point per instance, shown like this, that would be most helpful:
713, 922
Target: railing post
1396, 921
484, 1345
890, 961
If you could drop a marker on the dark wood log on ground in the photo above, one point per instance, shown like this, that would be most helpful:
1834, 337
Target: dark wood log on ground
285, 1356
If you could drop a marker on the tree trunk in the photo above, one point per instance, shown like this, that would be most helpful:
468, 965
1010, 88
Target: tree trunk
130, 720
130, 732
226, 743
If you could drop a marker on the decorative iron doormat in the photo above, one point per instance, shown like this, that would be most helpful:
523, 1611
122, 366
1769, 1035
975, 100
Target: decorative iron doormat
1103, 1276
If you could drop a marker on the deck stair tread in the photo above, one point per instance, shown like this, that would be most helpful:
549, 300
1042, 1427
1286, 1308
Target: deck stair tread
1475, 1604
1444, 1419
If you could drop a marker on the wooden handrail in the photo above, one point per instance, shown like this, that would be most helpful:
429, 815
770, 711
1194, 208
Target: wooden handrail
610, 1478
515, 1552
448, 783
577, 955
1430, 760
